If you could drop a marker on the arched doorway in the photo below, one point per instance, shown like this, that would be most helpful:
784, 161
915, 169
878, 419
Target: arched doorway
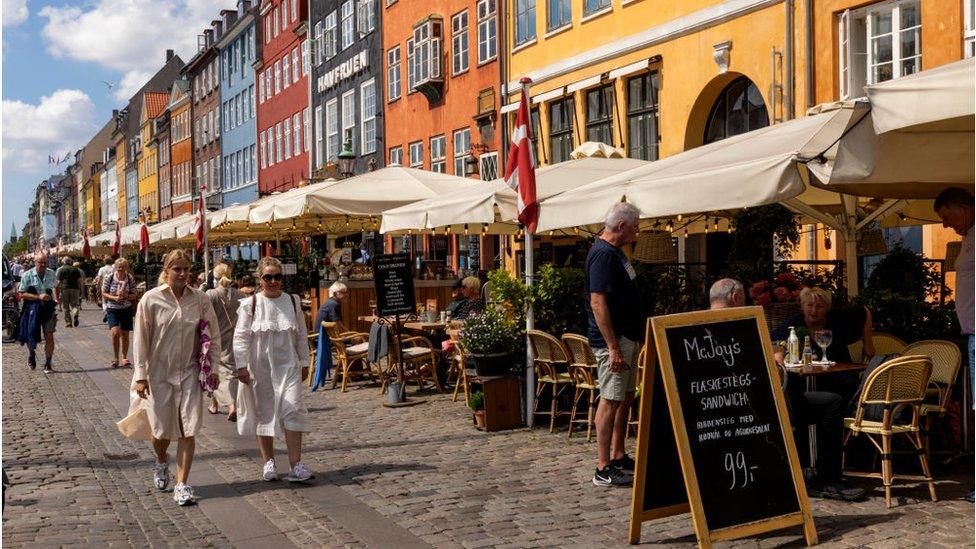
739, 108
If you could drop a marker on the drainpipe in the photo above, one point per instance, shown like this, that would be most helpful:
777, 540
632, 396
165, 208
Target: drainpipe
788, 68
811, 92
502, 82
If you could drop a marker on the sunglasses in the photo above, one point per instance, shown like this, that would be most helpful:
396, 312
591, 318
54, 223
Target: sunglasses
273, 278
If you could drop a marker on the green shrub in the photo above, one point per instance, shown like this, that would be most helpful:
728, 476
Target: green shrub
489, 333
476, 401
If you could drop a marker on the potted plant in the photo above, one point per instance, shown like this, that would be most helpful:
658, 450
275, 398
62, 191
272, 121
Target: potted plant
476, 401
489, 341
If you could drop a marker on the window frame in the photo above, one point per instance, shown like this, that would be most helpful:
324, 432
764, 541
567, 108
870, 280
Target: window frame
438, 145
347, 113
367, 146
552, 25
524, 9
347, 24
599, 122
460, 53
635, 111
461, 152
399, 156
566, 105
393, 66
333, 105
419, 146
487, 31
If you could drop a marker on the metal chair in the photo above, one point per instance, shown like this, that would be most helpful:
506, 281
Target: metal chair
946, 361
895, 384
348, 355
551, 363
582, 370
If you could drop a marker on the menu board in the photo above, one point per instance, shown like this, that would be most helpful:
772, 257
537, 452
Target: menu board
393, 280
730, 426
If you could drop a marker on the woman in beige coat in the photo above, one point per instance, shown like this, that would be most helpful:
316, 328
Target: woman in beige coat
225, 300
166, 352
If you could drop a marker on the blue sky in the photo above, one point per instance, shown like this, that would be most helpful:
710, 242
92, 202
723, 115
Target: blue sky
58, 59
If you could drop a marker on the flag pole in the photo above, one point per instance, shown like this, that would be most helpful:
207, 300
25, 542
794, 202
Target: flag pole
530, 311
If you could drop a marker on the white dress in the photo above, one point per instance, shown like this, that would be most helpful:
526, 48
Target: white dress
272, 344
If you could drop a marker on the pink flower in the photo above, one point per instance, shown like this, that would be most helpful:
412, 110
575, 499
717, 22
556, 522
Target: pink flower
782, 294
763, 299
758, 288
786, 278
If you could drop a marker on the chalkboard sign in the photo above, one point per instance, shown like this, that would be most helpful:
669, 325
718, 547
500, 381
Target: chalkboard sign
729, 425
393, 280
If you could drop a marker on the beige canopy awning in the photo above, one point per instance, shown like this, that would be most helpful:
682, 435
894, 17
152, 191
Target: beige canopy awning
933, 100
165, 231
490, 206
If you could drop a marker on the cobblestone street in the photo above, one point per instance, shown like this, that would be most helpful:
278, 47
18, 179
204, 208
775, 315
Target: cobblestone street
416, 476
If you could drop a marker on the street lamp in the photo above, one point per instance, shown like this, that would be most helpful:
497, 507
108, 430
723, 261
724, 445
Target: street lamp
346, 157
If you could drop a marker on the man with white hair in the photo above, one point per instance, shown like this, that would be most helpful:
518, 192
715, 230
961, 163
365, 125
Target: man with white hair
616, 322
727, 292
331, 310
38, 284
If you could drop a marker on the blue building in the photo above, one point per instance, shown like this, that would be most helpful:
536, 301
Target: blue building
237, 49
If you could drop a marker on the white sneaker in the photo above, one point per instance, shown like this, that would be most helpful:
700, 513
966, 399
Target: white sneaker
270, 471
161, 475
299, 473
183, 495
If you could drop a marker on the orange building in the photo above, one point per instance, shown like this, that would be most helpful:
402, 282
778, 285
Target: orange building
181, 149
442, 100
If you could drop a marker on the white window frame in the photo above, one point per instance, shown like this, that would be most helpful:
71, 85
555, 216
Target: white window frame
459, 43
348, 113
427, 52
488, 166
348, 24
852, 63
367, 117
307, 126
393, 66
264, 151
319, 138
969, 28
294, 10
279, 152
254, 164
396, 156
417, 161
287, 137
284, 16
306, 64
331, 122
297, 133
285, 71
331, 36
277, 77
487, 31
295, 67
438, 153
365, 17
267, 28
277, 21
462, 149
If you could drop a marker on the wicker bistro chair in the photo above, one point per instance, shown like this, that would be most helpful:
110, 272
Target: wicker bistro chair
313, 339
551, 363
349, 349
582, 370
457, 372
946, 361
884, 344
419, 361
895, 384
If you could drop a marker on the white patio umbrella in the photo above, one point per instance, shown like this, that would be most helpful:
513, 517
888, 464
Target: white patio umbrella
164, 232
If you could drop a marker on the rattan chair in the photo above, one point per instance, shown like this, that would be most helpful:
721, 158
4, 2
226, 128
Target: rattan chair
313, 339
635, 405
551, 362
946, 361
884, 344
893, 385
419, 357
457, 372
582, 370
349, 349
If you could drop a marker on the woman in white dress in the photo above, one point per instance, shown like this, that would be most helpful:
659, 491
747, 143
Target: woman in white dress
166, 376
225, 299
271, 355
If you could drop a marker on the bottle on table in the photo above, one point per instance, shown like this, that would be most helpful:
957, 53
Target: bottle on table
807, 351
793, 347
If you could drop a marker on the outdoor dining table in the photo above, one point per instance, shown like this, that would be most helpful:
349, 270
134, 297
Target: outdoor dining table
414, 325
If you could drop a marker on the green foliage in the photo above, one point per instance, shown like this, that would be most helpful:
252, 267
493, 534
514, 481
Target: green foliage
667, 289
476, 401
759, 233
488, 333
558, 298
904, 272
17, 247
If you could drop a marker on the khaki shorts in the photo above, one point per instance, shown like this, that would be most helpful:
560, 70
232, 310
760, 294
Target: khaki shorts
616, 385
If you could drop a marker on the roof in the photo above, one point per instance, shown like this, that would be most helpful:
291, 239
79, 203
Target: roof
155, 103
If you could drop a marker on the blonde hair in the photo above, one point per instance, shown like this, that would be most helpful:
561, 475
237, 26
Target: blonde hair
264, 263
222, 273
173, 256
812, 293
337, 287
121, 262
76, 264
471, 283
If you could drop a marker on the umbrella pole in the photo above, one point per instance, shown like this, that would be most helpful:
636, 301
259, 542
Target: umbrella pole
850, 243
529, 325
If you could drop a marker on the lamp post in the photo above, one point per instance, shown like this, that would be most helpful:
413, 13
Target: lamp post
346, 158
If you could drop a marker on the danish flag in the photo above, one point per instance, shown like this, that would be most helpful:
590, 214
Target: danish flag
200, 220
143, 234
520, 168
117, 245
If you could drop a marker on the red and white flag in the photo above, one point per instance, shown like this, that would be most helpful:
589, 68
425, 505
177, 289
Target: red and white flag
199, 221
117, 245
85, 247
143, 235
520, 169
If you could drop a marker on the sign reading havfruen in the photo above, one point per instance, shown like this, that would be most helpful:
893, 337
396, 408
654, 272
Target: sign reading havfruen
393, 280
344, 70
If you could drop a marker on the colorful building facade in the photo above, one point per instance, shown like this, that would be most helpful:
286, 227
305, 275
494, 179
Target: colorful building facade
181, 148
147, 159
203, 73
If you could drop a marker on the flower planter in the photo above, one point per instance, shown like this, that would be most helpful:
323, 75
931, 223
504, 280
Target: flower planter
495, 364
479, 420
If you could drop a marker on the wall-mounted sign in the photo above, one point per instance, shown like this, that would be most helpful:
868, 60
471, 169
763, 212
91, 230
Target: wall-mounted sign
344, 70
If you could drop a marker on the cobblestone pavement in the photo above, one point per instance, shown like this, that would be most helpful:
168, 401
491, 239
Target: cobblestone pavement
410, 477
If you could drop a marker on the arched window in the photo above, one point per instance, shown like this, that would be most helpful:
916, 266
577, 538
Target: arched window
739, 108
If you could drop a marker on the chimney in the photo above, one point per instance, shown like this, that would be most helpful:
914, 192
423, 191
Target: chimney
169, 55
218, 29
242, 7
228, 17
208, 38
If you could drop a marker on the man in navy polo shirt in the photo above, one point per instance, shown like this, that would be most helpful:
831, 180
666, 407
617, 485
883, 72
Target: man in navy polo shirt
616, 320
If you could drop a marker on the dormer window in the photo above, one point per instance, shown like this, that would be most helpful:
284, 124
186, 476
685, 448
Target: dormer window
426, 75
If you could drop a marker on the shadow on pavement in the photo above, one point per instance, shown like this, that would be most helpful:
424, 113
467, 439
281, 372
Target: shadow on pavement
828, 528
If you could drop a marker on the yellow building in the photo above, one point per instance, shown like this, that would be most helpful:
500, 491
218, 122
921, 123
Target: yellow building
153, 105
91, 193
659, 77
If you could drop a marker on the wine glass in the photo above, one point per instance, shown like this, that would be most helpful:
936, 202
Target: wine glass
823, 338
372, 306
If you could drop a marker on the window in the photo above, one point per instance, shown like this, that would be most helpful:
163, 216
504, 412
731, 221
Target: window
599, 115
294, 65
285, 72
738, 109
349, 115
319, 42
277, 77
396, 156
267, 28
487, 31
417, 154
294, 10
878, 43
560, 14
368, 117
593, 6
305, 60
287, 137
332, 129
297, 133
393, 73
524, 21
264, 151
411, 63
319, 142
284, 16
308, 122
246, 175
642, 133
366, 14
348, 28
279, 152
331, 36
459, 43
239, 109
426, 52
462, 149
277, 21
251, 102
261, 88
437, 154
561, 129
254, 164
239, 177
969, 28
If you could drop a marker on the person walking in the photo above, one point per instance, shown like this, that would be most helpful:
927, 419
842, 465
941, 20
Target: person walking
69, 280
39, 284
170, 324
225, 300
119, 296
271, 355
100, 277
615, 317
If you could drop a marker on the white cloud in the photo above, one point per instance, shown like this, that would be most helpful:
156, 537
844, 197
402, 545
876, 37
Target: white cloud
15, 12
61, 122
130, 36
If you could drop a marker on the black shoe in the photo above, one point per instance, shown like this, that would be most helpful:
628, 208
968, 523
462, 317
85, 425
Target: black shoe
76, 322
610, 476
48, 368
835, 490
625, 463
32, 362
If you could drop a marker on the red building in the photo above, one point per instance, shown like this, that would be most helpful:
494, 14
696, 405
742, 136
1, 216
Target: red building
282, 82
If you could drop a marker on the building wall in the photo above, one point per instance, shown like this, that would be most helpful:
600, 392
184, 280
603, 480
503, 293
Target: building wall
121, 210
283, 41
238, 50
165, 172
203, 71
181, 158
148, 174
